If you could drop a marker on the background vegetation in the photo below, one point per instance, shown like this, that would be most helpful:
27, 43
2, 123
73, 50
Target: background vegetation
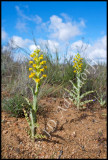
15, 80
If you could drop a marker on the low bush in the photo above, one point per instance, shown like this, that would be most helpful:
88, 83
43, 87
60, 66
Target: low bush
14, 105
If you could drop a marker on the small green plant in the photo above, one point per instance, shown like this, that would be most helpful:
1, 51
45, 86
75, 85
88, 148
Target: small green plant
76, 92
101, 99
14, 105
37, 69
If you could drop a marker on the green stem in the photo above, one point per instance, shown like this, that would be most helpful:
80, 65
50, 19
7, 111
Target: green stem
78, 92
33, 112
33, 122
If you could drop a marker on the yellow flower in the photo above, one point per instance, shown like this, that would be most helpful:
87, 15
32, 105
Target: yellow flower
40, 57
36, 69
37, 51
45, 67
75, 58
30, 76
44, 62
44, 75
35, 59
74, 71
30, 69
34, 65
37, 80
74, 65
41, 62
33, 73
42, 69
32, 55
77, 63
30, 62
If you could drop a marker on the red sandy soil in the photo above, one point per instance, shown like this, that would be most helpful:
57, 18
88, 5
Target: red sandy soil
78, 134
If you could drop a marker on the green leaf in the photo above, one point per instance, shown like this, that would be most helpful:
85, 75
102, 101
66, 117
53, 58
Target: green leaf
74, 85
31, 89
27, 101
73, 100
84, 94
82, 103
27, 118
71, 94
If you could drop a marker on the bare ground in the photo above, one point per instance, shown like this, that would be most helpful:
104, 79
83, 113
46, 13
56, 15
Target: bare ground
77, 134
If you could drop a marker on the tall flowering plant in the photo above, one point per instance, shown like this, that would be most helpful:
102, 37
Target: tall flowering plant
76, 92
37, 67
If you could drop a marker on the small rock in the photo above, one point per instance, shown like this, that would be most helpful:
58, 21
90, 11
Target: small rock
74, 134
8, 122
5, 132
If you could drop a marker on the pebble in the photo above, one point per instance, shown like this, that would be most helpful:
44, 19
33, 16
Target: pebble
5, 132
73, 134
8, 122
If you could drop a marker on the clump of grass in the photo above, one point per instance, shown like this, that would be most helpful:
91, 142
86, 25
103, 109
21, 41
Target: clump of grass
13, 106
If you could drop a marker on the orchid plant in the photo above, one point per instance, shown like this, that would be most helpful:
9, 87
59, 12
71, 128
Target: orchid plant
75, 94
37, 68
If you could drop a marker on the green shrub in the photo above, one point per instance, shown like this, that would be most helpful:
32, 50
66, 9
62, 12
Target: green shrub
14, 105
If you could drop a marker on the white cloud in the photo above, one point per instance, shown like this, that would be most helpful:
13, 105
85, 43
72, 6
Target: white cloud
51, 44
64, 31
33, 47
82, 23
18, 41
22, 46
96, 51
19, 11
4, 35
66, 17
21, 26
35, 18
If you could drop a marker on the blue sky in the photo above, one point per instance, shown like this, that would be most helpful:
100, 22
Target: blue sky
58, 23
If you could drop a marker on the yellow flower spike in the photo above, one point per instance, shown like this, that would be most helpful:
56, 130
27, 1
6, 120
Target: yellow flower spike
31, 62
34, 65
30, 69
44, 75
77, 63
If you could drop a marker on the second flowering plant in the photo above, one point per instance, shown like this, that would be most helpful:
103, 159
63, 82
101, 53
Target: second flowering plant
76, 92
37, 68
